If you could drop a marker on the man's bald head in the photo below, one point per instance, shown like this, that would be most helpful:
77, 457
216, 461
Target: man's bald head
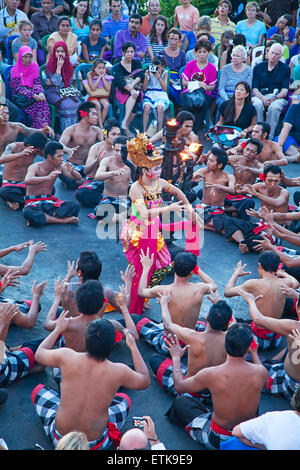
134, 439
275, 53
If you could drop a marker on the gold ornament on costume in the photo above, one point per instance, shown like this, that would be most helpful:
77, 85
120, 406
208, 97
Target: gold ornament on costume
142, 153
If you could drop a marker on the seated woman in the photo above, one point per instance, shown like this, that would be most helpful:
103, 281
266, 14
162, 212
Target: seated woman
64, 34
200, 70
175, 59
231, 74
157, 40
129, 77
93, 45
238, 110
253, 29
59, 75
25, 28
27, 91
289, 137
225, 44
80, 19
202, 36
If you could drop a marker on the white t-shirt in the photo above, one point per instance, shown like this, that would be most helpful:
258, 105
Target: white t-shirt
276, 430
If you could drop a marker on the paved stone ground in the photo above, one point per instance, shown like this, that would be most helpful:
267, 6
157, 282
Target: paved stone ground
19, 425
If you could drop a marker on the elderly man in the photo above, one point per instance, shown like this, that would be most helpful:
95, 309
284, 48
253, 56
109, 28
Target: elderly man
270, 87
154, 9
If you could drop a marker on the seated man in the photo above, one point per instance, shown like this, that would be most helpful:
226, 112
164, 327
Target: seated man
154, 9
206, 349
45, 22
269, 76
131, 34
41, 207
283, 27
284, 376
235, 387
271, 153
185, 135
268, 287
16, 160
100, 419
116, 20
10, 17
185, 299
289, 137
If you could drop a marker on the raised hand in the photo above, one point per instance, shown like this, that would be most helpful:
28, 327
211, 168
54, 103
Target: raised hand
9, 280
146, 260
239, 270
174, 347
38, 289
23, 245
37, 247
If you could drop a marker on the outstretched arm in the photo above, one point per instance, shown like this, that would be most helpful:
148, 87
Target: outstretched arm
26, 266
230, 289
28, 320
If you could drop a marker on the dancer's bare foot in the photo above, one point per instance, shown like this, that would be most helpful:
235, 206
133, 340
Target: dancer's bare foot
14, 206
71, 220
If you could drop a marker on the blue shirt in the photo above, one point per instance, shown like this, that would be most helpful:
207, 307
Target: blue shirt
111, 26
274, 30
94, 51
251, 34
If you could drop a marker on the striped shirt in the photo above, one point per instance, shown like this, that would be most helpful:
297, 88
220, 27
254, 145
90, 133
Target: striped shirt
217, 29
156, 48
111, 26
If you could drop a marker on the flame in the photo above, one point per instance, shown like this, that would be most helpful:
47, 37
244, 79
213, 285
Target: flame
172, 122
184, 156
194, 147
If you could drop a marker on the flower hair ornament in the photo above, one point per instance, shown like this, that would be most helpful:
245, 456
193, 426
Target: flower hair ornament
142, 153
262, 177
83, 113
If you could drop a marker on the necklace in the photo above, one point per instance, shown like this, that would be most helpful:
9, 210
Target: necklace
151, 191
80, 24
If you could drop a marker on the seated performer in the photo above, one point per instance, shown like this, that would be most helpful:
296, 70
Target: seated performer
17, 158
206, 349
268, 286
142, 231
41, 207
102, 415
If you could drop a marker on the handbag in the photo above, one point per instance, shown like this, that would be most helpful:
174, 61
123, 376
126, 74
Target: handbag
23, 101
195, 99
69, 92
226, 136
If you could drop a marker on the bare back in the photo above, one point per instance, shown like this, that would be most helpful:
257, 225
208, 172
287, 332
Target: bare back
273, 300
208, 351
16, 169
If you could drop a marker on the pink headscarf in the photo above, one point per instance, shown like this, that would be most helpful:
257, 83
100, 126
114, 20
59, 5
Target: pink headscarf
27, 73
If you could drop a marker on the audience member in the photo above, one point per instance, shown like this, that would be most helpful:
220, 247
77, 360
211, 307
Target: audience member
221, 22
131, 34
64, 34
10, 17
157, 39
45, 22
253, 29
154, 9
25, 29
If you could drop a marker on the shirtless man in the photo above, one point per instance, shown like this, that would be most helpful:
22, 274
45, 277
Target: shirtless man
80, 137
270, 193
116, 176
235, 388
271, 153
246, 167
41, 207
185, 132
92, 375
16, 160
90, 192
185, 298
272, 302
206, 349
285, 376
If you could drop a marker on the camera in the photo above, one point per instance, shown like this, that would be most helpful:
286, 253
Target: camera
138, 422
152, 68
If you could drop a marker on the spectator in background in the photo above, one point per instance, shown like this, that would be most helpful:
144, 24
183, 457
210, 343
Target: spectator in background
154, 10
187, 16
295, 49
73, 441
100, 8
233, 73
157, 40
225, 44
202, 36
65, 34
93, 45
252, 28
44, 22
132, 34
10, 16
175, 59
25, 28
36, 6
238, 40
80, 20
289, 137
115, 21
137, 439
284, 28
267, 77
271, 11
220, 23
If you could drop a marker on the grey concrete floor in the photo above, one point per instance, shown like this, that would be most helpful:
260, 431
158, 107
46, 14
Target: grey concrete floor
19, 425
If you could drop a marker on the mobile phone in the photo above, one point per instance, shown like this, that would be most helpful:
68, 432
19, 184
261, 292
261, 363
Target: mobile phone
138, 422
153, 68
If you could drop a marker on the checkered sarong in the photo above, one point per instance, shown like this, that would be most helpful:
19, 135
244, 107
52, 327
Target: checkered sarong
199, 429
154, 333
280, 382
46, 402
15, 365
265, 339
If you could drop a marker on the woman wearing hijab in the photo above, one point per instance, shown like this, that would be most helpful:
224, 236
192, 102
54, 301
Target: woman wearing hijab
27, 91
59, 80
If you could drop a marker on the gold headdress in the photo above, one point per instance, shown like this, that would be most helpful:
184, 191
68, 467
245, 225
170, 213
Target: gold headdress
142, 153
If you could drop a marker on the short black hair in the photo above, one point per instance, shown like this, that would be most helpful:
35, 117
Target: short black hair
202, 43
52, 147
222, 157
121, 139
64, 18
86, 106
184, 263
238, 339
96, 22
275, 169
219, 315
136, 16
257, 144
265, 127
100, 339
90, 297
37, 140
90, 265
127, 45
269, 261
183, 116
109, 124
289, 19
